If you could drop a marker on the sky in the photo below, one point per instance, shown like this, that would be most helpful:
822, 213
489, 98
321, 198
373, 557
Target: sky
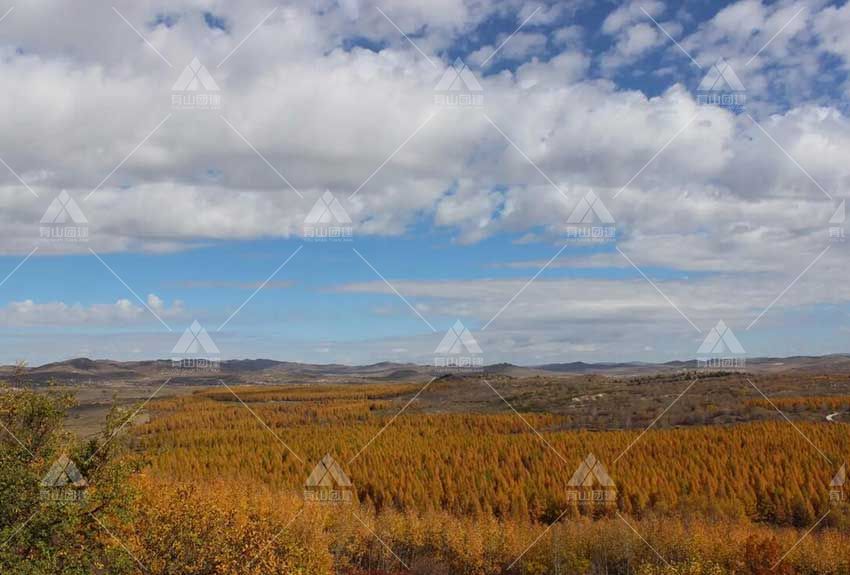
347, 181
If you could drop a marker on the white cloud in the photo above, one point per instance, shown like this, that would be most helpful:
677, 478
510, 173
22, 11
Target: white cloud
29, 313
629, 13
289, 80
632, 43
831, 24
521, 46
771, 47
601, 319
721, 197
632, 301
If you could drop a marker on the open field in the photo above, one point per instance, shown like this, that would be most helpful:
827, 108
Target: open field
589, 397
94, 401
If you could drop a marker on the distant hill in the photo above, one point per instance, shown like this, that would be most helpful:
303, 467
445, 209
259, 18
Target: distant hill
82, 370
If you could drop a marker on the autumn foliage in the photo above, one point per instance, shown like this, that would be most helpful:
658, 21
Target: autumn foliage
222, 475
494, 465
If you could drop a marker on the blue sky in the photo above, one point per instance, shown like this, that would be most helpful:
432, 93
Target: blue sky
716, 212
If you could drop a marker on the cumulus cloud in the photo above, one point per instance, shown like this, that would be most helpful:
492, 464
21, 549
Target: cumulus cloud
632, 43
305, 103
629, 13
325, 97
29, 313
831, 25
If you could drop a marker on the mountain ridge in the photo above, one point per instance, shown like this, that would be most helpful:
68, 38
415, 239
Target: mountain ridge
82, 367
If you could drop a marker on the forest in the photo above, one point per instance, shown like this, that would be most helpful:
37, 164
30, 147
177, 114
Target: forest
215, 482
